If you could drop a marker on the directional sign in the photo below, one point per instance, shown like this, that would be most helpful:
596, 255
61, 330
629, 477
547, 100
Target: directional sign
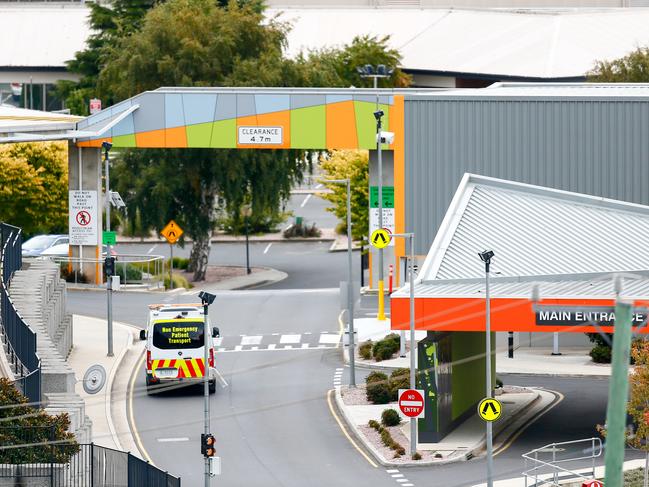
411, 402
109, 238
380, 238
172, 232
490, 409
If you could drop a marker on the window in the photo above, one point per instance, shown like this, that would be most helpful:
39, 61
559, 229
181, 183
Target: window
175, 335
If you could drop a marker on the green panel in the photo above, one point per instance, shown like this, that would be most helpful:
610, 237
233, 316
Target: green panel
366, 123
468, 377
224, 134
124, 140
309, 127
199, 135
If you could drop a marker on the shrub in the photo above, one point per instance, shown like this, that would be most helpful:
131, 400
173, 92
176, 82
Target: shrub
301, 230
394, 337
399, 379
601, 354
365, 349
416, 456
384, 349
499, 383
390, 417
179, 281
128, 272
378, 393
180, 263
376, 377
400, 450
74, 275
374, 424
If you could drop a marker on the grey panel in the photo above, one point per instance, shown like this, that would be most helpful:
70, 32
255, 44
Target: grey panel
588, 146
151, 114
368, 98
226, 107
303, 101
246, 105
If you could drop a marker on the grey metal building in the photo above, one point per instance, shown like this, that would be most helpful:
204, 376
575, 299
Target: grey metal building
586, 138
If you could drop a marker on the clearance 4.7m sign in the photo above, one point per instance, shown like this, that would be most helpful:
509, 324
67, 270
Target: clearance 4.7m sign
577, 315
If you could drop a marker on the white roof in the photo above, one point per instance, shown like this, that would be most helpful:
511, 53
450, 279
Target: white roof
16, 121
43, 34
525, 43
538, 235
549, 90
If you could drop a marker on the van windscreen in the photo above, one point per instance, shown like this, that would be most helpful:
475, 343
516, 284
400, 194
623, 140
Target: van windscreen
174, 335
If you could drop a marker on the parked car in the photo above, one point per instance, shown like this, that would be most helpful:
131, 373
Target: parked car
62, 250
35, 246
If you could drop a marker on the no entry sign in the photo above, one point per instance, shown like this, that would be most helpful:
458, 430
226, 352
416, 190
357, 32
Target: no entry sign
411, 402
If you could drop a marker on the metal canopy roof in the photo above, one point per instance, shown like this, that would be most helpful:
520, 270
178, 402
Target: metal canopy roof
22, 125
568, 244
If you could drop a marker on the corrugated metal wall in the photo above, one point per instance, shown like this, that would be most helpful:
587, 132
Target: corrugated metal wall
594, 146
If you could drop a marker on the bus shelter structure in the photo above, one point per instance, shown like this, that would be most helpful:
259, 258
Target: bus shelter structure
558, 257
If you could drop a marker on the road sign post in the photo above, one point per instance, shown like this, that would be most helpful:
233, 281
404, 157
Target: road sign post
171, 232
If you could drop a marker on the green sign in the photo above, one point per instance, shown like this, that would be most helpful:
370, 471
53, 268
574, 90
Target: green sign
388, 196
109, 238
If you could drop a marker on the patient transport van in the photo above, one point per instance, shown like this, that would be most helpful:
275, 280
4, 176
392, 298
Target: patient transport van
175, 346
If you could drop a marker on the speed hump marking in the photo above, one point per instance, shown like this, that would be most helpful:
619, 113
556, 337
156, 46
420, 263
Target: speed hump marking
380, 238
172, 232
490, 409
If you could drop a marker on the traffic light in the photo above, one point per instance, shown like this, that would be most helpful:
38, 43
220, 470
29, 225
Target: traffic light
109, 266
208, 445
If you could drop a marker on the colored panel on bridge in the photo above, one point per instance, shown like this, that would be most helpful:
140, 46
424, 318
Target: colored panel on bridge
571, 315
212, 119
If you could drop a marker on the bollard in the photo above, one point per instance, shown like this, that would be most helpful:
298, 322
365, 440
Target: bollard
390, 279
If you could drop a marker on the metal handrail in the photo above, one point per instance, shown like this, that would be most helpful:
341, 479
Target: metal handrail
556, 470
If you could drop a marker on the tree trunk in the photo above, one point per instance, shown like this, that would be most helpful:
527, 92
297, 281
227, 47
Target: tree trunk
199, 256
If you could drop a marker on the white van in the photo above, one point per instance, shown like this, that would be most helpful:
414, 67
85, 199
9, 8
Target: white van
175, 346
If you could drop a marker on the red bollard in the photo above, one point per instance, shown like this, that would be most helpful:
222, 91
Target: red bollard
390, 279
592, 483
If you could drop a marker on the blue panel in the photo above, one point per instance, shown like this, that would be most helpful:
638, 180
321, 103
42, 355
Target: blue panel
199, 108
174, 116
272, 103
338, 98
125, 127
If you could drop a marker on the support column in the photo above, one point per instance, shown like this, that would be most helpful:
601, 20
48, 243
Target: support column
84, 173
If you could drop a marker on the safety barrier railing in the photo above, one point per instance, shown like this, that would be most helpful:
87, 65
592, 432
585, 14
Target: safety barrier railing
542, 465
19, 339
133, 270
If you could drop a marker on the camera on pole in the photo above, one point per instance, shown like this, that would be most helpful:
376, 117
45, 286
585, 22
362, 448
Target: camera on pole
109, 266
208, 445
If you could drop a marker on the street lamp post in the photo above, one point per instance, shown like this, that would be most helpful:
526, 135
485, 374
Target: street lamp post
381, 71
206, 300
486, 257
350, 294
413, 345
246, 211
109, 279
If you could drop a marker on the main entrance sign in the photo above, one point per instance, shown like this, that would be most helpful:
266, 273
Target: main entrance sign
584, 315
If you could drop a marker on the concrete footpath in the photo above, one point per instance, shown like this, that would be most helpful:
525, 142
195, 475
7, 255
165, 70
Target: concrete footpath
107, 409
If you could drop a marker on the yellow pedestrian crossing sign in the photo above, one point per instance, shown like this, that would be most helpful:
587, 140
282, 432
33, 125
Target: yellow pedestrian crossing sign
172, 232
490, 409
380, 238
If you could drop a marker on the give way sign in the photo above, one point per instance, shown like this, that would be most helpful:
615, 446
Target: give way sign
411, 402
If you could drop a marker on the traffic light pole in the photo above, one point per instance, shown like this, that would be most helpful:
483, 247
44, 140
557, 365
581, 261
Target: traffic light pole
109, 279
206, 390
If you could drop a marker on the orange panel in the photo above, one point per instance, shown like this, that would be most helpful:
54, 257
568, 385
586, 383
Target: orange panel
93, 143
398, 127
341, 126
507, 314
176, 137
274, 119
152, 138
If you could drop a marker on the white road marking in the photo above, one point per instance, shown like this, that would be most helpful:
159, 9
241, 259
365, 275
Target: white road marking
251, 340
329, 338
288, 346
218, 341
306, 200
274, 334
267, 247
170, 440
224, 383
397, 475
271, 346
238, 348
305, 345
408, 485
152, 249
392, 470
307, 333
318, 186
254, 348
402, 480
290, 339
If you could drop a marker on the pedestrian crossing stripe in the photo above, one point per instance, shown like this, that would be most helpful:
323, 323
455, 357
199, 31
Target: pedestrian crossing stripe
490, 409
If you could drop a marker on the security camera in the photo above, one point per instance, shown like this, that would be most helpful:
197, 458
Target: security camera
379, 114
486, 255
206, 298
386, 137
106, 145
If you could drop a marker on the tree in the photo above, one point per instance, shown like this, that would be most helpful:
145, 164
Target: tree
24, 424
632, 68
34, 186
352, 165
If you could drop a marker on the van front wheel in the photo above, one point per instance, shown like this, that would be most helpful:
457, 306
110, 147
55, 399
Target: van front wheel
212, 386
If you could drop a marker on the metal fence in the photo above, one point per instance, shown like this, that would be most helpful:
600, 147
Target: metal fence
85, 465
18, 337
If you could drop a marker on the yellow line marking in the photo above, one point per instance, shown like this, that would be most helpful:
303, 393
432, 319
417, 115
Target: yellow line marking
136, 435
342, 428
341, 328
515, 436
